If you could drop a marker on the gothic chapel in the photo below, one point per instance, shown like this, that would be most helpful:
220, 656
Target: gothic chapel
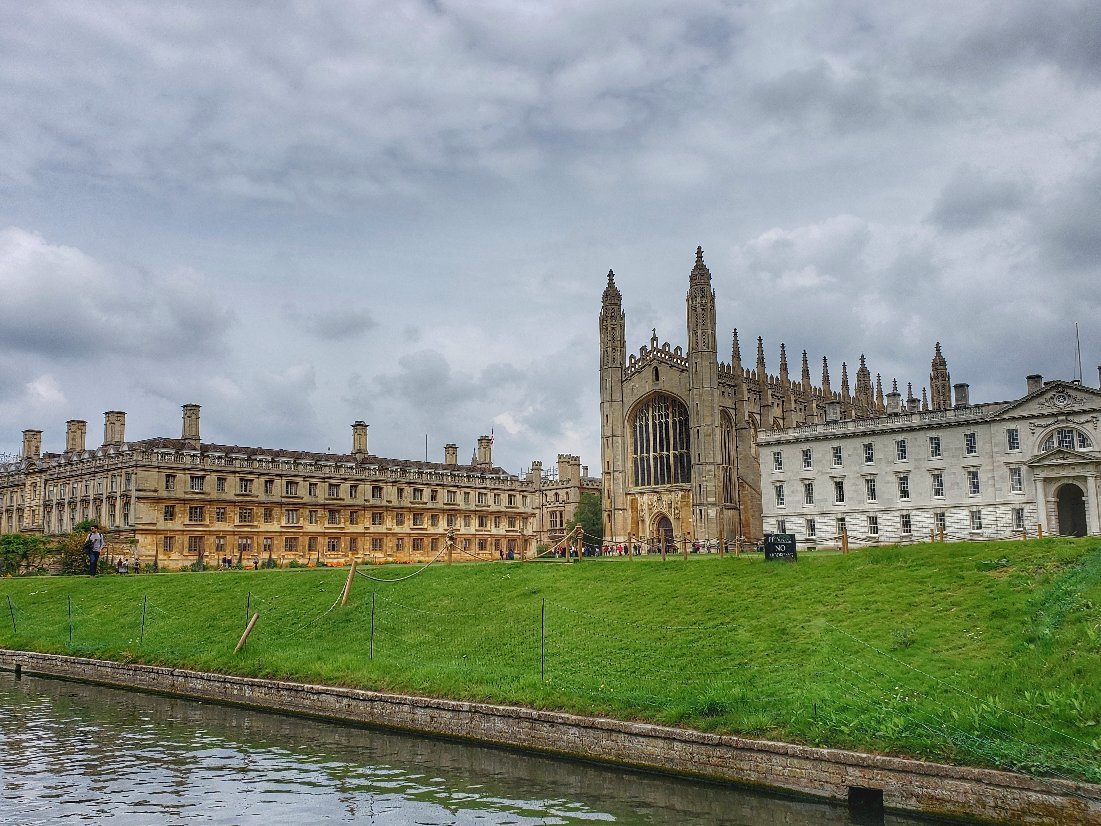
679, 428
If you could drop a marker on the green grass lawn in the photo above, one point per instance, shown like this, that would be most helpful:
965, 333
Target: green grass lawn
974, 653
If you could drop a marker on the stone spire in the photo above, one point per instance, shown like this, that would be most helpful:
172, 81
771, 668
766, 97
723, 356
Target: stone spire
762, 376
735, 351
845, 395
879, 391
939, 381
700, 273
611, 292
911, 402
827, 391
613, 342
924, 400
806, 373
863, 387
784, 379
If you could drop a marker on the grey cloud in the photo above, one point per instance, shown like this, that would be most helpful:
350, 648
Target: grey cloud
973, 197
818, 95
334, 324
1067, 227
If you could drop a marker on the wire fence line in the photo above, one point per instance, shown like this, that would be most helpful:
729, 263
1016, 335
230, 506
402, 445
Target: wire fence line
664, 670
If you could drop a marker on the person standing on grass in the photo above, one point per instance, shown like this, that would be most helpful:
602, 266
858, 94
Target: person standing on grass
93, 545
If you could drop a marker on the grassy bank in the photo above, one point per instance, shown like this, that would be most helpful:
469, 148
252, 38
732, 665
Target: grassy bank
977, 653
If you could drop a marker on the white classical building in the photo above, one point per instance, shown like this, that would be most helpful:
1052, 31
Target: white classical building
983, 471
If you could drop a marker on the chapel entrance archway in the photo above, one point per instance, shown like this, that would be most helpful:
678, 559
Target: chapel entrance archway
1072, 510
663, 533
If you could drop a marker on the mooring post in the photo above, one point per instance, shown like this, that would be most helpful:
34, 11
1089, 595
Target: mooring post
248, 630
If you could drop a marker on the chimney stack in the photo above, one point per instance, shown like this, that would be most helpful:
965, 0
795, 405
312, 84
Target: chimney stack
75, 432
833, 411
32, 444
961, 394
359, 439
535, 475
894, 403
485, 451
114, 427
191, 425
569, 468
1036, 382
451, 454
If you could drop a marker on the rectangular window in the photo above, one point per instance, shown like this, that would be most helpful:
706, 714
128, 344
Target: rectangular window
904, 486
939, 521
512, 500
970, 444
841, 527
934, 447
290, 488
869, 453
169, 513
399, 518
220, 545
807, 465
434, 520
312, 489
311, 517
332, 545
450, 498
400, 493
781, 526
353, 517
483, 522
900, 450
1012, 438
808, 493
451, 520
269, 486
869, 489
873, 526
353, 545
496, 499
906, 527
376, 543
938, 485
838, 491
220, 484
837, 455
334, 491
195, 513
311, 544
399, 545
376, 491
483, 498
418, 494
169, 483
1016, 480
244, 545
269, 515
811, 529
976, 520
290, 544
973, 482
268, 545
332, 517
353, 492
244, 515
166, 543
779, 496
466, 521
219, 514
418, 543
290, 516
244, 486
376, 517
1018, 519
512, 522
195, 545
777, 460
198, 483
418, 520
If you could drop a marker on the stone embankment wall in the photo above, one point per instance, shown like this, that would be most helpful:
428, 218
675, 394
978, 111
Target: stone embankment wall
906, 785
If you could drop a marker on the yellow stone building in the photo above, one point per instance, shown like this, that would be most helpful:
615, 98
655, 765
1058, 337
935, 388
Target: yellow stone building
175, 502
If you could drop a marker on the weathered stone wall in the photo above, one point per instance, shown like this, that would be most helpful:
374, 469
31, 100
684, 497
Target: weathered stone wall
908, 785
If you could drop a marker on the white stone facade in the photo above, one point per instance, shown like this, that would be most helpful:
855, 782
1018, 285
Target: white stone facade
985, 471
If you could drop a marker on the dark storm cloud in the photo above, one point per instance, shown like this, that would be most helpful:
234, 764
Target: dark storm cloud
973, 197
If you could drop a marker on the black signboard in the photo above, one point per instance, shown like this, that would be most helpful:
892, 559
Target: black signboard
780, 546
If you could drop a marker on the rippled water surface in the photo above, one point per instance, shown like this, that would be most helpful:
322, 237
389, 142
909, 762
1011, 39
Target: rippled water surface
75, 753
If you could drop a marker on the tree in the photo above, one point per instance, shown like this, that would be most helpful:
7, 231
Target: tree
590, 516
70, 549
22, 553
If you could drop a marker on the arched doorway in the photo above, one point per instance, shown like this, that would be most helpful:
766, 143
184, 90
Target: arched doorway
663, 533
1072, 510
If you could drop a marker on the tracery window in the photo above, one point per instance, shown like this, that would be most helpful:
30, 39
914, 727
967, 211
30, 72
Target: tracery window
728, 447
662, 448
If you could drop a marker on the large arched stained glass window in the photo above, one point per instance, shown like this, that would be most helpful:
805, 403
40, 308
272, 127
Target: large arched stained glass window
728, 459
662, 445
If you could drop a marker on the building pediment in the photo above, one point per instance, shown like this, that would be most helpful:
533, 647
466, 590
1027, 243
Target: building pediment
1054, 398
1061, 457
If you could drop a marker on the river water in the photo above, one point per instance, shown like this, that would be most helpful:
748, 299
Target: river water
75, 753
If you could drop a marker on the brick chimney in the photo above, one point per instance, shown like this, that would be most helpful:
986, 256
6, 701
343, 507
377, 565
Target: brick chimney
485, 451
961, 393
191, 425
114, 427
75, 432
1036, 382
32, 444
451, 454
359, 439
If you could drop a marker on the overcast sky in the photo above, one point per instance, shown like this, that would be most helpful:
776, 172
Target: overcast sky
302, 214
